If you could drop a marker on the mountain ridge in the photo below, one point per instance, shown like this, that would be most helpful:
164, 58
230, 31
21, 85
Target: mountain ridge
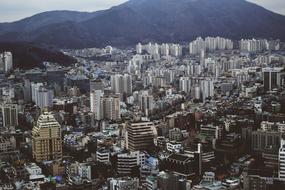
147, 20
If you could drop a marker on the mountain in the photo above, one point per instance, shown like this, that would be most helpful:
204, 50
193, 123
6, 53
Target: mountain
44, 19
28, 55
148, 20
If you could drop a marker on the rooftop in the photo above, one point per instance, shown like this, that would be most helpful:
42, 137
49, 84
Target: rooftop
179, 157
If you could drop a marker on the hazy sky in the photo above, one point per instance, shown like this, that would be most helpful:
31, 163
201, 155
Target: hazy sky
11, 10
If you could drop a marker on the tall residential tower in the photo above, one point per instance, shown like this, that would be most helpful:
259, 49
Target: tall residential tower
46, 139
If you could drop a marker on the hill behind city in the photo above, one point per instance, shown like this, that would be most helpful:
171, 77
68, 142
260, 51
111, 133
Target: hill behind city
147, 20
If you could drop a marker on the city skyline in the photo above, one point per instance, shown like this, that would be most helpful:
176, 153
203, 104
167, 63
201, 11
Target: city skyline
147, 95
11, 11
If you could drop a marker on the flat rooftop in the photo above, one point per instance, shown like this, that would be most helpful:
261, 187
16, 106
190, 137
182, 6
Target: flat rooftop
179, 157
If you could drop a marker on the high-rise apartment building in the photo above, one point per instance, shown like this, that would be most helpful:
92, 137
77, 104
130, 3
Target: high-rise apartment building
95, 103
185, 84
139, 48
254, 45
45, 98
281, 160
139, 136
117, 83
156, 50
146, 104
207, 86
105, 107
164, 50
42, 95
210, 44
196, 46
46, 138
6, 62
273, 78
111, 108
175, 50
121, 84
9, 115
127, 84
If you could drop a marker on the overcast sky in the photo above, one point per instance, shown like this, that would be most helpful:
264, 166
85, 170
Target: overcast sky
11, 10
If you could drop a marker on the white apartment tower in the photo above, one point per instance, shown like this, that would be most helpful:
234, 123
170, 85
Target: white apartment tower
281, 159
139, 48
207, 86
42, 96
121, 84
164, 50
111, 108
6, 62
95, 103
45, 98
185, 84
